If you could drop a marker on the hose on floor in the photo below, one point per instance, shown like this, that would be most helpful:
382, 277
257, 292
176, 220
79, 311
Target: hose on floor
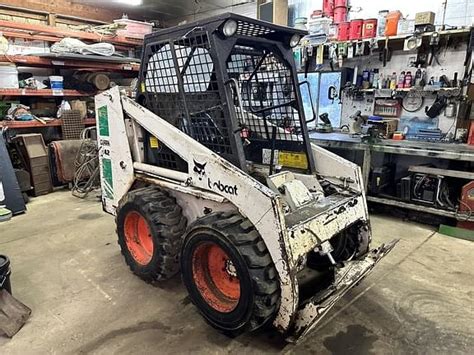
86, 177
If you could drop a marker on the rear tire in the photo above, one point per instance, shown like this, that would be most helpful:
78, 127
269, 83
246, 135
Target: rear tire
150, 226
229, 274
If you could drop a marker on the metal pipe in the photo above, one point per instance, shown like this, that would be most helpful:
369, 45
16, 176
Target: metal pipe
157, 171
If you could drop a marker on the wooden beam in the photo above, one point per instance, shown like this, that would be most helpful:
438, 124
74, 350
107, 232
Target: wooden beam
51, 19
35, 61
62, 32
67, 7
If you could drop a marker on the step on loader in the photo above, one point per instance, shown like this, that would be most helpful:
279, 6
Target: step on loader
210, 172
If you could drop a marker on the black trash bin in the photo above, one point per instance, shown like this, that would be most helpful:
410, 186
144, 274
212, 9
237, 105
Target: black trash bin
5, 272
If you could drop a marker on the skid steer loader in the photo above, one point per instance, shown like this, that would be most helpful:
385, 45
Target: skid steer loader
209, 170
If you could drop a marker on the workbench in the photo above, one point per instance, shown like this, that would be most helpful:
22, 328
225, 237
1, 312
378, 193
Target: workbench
448, 151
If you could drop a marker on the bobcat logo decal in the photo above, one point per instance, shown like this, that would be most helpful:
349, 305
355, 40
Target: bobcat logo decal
199, 169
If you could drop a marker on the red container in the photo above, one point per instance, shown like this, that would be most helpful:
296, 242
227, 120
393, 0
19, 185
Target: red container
355, 31
328, 8
343, 31
369, 28
340, 14
340, 3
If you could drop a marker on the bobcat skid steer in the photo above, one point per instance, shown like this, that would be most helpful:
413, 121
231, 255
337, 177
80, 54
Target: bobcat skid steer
210, 171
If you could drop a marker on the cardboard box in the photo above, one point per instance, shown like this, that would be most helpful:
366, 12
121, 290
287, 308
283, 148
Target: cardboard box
405, 27
425, 18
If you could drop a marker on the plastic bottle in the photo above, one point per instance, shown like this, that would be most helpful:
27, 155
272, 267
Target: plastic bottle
375, 78
371, 78
408, 79
418, 77
380, 81
381, 21
365, 79
401, 80
393, 81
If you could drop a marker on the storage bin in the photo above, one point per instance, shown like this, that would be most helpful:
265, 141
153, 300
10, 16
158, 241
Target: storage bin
135, 29
8, 77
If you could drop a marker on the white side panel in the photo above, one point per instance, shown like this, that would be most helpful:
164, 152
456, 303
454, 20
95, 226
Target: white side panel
258, 203
335, 169
116, 166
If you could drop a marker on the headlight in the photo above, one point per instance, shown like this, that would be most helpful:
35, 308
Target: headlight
295, 40
229, 28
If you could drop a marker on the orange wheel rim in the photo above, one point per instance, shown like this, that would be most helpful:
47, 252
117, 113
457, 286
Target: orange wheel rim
138, 237
215, 277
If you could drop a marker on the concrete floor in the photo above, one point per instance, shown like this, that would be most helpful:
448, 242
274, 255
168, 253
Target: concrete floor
67, 267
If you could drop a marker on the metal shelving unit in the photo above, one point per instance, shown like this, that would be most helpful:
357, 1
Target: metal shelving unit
60, 62
37, 124
43, 92
459, 152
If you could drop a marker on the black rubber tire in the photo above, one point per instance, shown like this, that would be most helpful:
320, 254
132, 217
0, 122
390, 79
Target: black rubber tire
167, 226
259, 285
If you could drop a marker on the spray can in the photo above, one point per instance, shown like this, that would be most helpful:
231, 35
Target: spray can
393, 81
408, 80
401, 80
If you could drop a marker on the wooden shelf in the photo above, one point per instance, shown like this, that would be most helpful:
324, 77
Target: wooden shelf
414, 88
37, 124
42, 92
35, 61
54, 34
402, 37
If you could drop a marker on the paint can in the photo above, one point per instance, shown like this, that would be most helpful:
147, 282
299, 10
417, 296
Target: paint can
340, 3
369, 28
355, 30
340, 14
343, 31
328, 8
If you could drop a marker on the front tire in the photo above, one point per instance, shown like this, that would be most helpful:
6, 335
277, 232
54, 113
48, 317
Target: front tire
150, 227
229, 274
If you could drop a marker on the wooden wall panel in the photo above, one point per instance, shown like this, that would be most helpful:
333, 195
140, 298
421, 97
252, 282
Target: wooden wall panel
65, 7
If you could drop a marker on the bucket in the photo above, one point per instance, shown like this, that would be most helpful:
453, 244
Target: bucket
340, 3
343, 31
369, 28
355, 31
5, 274
317, 14
300, 23
328, 8
319, 26
340, 14
56, 82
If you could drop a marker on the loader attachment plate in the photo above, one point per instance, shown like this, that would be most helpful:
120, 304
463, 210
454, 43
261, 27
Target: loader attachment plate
311, 313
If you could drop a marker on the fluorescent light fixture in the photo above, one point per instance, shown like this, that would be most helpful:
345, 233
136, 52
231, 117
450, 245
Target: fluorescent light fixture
129, 2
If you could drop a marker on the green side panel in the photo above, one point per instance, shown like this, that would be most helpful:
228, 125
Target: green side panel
108, 184
457, 232
103, 121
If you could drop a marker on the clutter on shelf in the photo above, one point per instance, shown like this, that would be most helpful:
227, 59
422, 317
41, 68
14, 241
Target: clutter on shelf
73, 45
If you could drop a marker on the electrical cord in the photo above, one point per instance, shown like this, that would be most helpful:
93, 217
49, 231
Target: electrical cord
86, 176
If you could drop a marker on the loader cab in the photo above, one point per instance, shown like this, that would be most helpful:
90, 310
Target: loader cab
230, 83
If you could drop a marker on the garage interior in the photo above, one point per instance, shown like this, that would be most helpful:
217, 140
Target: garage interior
281, 176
